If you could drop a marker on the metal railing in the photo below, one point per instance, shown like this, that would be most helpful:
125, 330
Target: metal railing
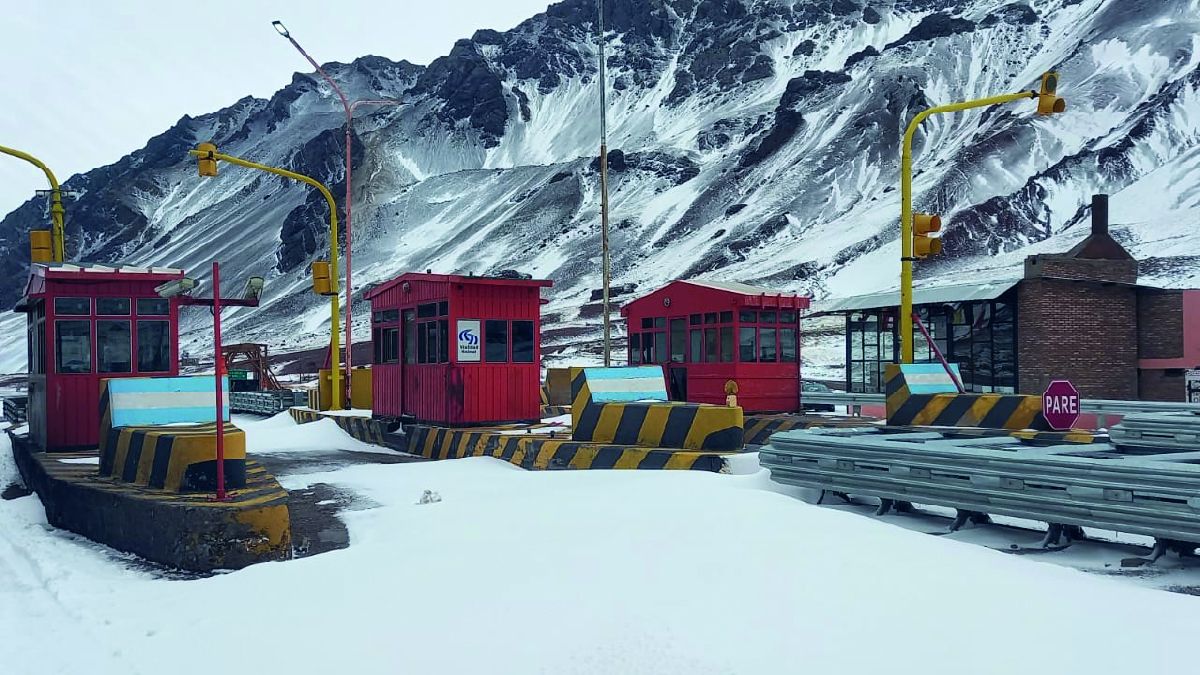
1099, 407
266, 402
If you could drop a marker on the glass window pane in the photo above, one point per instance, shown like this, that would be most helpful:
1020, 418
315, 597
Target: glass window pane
496, 341
766, 317
678, 340
427, 310
710, 317
787, 317
112, 306
747, 316
443, 308
648, 322
635, 348
153, 306
444, 341
73, 306
697, 347
423, 342
391, 345
522, 339
747, 347
410, 337
787, 345
660, 347
660, 322
712, 345
73, 346
694, 319
114, 352
154, 346
766, 344
726, 344
727, 317
857, 379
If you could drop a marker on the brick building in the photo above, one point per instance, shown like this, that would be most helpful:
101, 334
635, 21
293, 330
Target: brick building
1079, 315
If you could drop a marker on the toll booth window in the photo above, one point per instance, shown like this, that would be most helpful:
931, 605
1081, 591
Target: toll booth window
694, 320
747, 316
387, 345
787, 317
746, 345
727, 317
386, 316
37, 337
660, 322
635, 348
73, 346
522, 342
73, 306
727, 344
154, 346
787, 345
444, 341
678, 340
766, 317
766, 344
410, 337
153, 306
660, 346
712, 346
710, 317
443, 308
496, 340
114, 353
112, 306
647, 322
697, 340
427, 310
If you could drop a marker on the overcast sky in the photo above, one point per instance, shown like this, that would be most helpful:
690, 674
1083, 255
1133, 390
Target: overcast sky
85, 82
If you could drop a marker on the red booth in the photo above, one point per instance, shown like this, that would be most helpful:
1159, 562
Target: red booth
456, 350
86, 323
706, 333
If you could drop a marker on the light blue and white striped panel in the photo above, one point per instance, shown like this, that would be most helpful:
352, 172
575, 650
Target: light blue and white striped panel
152, 401
929, 378
622, 385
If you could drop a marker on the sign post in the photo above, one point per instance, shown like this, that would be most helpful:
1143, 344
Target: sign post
1060, 405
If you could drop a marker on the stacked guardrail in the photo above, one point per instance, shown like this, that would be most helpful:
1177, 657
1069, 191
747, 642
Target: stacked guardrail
266, 402
1147, 481
14, 409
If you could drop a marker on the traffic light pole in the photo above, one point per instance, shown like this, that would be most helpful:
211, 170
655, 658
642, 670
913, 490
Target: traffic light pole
335, 347
907, 351
57, 231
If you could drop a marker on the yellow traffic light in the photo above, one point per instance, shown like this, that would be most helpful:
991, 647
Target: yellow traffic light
41, 248
1048, 102
322, 284
925, 224
207, 163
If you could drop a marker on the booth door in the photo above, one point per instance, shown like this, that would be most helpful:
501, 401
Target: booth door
677, 382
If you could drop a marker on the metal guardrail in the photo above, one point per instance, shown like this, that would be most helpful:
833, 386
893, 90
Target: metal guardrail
266, 402
1095, 406
14, 409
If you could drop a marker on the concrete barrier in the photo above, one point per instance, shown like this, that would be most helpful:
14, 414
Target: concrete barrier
923, 395
630, 406
160, 432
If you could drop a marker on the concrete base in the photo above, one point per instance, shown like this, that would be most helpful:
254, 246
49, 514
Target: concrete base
188, 531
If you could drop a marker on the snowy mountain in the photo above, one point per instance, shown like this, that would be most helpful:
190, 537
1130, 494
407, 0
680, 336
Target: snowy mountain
755, 140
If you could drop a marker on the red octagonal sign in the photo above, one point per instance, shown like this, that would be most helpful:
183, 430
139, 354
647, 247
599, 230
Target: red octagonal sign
1060, 405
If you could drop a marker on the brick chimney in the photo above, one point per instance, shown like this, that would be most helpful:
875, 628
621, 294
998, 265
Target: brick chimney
1098, 257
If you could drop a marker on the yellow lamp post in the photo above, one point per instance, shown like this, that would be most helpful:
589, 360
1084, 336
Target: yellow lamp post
57, 237
325, 277
919, 245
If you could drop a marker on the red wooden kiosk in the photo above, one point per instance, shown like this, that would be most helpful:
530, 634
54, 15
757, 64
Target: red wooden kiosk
86, 323
705, 333
456, 350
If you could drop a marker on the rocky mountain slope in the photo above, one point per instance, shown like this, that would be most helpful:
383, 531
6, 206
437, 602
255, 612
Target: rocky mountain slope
755, 140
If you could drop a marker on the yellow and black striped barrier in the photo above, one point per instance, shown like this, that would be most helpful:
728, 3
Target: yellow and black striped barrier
916, 404
609, 406
760, 428
365, 429
175, 459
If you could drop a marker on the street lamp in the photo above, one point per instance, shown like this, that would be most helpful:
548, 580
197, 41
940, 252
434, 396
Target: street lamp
57, 234
348, 107
206, 162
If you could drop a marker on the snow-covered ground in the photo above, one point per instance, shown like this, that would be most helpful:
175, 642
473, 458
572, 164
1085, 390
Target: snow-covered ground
576, 572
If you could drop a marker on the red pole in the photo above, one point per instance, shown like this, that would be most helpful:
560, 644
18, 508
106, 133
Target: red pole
220, 367
938, 352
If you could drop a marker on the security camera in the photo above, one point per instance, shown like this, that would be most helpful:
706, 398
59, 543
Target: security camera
177, 287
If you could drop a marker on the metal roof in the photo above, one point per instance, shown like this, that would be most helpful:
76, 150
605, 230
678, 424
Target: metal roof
97, 268
929, 295
735, 287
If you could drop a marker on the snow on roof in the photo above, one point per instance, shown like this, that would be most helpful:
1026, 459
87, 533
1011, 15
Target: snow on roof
734, 287
98, 268
928, 295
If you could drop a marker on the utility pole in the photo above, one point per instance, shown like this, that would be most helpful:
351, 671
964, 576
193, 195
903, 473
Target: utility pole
606, 272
